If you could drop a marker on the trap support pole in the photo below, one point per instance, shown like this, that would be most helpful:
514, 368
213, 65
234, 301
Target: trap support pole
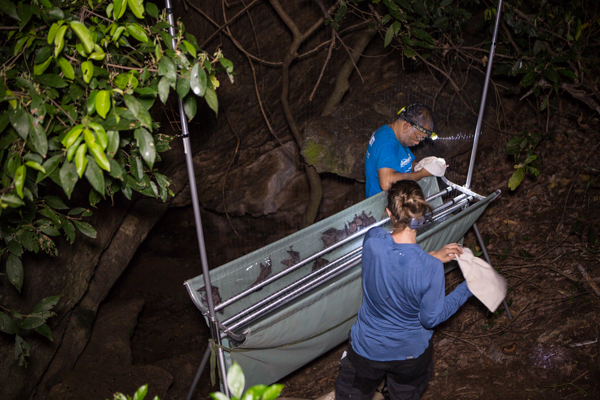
214, 330
484, 96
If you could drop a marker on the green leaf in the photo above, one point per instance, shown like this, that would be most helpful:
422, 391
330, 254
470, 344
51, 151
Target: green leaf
167, 68
69, 230
113, 143
68, 178
528, 79
254, 392
127, 192
66, 68
389, 35
100, 134
183, 87
37, 137
52, 32
567, 73
99, 156
219, 396
50, 214
152, 10
103, 102
45, 331
14, 271
119, 8
31, 323
162, 180
551, 74
11, 200
115, 170
227, 64
211, 99
20, 179
516, 179
137, 32
85, 228
52, 80
94, 175
140, 393
19, 119
236, 380
163, 89
7, 324
21, 350
59, 40
272, 392
80, 159
87, 68
46, 304
15, 248
8, 8
409, 52
55, 202
137, 7
84, 35
189, 47
39, 69
136, 168
146, 144
190, 106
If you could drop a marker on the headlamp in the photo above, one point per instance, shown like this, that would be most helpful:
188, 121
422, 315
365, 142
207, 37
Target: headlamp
430, 134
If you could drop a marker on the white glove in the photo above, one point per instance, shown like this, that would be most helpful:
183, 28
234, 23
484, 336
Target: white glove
436, 166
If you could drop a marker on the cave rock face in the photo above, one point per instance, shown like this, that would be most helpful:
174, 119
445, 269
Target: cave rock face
256, 184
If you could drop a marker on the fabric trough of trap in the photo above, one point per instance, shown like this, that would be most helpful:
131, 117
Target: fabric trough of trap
284, 340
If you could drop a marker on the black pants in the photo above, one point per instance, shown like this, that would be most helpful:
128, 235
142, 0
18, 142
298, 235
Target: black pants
406, 379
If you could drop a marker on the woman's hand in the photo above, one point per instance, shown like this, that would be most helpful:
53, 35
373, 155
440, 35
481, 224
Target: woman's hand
447, 253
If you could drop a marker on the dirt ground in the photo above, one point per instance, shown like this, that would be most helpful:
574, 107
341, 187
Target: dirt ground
542, 238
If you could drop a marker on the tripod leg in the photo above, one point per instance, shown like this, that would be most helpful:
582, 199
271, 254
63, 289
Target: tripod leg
200, 370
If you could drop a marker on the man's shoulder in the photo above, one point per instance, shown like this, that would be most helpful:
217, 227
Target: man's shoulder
383, 135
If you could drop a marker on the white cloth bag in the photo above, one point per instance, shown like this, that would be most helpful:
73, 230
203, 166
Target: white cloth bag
435, 165
482, 279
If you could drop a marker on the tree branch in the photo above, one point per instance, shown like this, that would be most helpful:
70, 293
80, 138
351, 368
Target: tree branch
226, 23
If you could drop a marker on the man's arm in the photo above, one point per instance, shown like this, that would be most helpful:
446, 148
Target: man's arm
388, 176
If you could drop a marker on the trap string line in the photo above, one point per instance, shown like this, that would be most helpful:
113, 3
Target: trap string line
197, 219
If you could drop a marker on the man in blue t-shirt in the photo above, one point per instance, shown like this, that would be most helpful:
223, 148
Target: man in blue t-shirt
388, 157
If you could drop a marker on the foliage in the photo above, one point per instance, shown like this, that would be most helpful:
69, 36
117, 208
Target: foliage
139, 394
522, 149
77, 84
420, 24
236, 382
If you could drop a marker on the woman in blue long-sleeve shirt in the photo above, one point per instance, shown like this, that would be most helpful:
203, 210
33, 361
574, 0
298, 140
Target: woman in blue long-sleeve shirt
403, 300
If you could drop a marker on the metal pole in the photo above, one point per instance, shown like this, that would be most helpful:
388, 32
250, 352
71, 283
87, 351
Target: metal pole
484, 96
197, 219
487, 258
